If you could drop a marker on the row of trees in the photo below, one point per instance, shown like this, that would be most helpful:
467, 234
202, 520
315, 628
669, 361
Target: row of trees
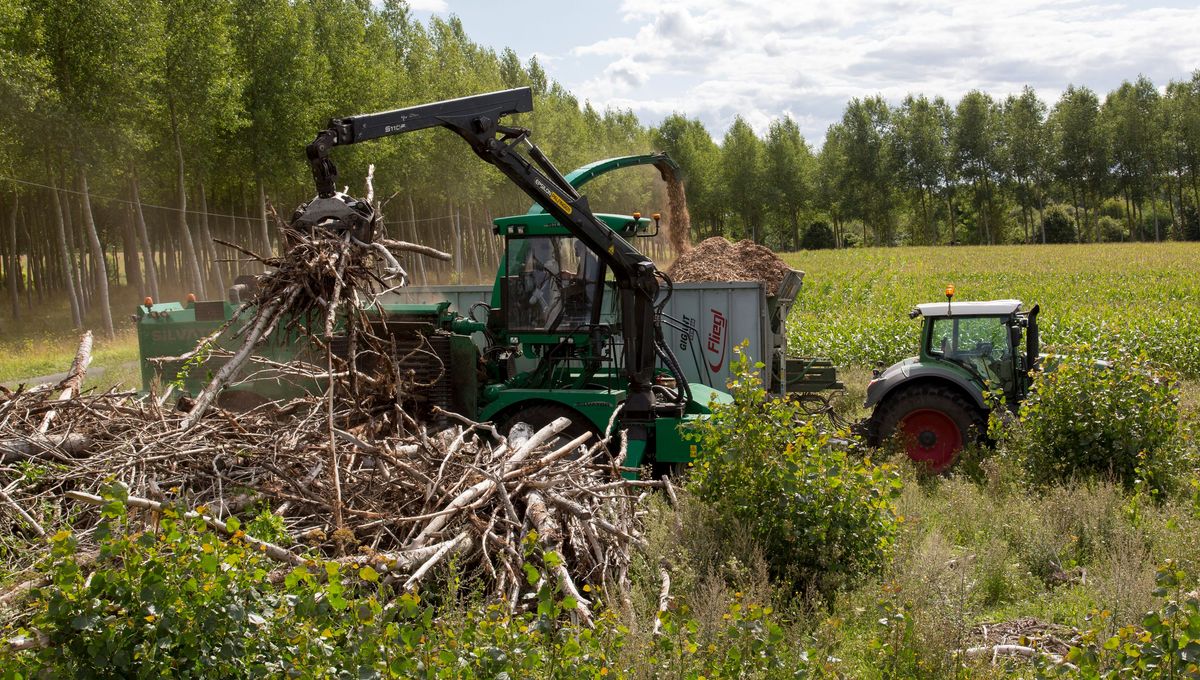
138, 131
979, 171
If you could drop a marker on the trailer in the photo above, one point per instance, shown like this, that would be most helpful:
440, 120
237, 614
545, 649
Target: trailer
703, 322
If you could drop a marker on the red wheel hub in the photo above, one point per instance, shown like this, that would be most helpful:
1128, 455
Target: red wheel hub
931, 437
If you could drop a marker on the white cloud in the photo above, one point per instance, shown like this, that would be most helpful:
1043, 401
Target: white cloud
717, 58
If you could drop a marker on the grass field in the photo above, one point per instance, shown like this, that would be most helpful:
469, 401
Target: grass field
42, 342
1132, 297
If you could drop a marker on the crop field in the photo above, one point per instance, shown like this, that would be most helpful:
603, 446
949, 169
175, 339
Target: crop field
1139, 298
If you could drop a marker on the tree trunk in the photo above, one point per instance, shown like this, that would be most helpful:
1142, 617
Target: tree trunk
264, 234
75, 252
65, 260
97, 256
1075, 208
1195, 185
129, 252
458, 243
230, 268
191, 261
925, 215
209, 248
1128, 211
144, 236
28, 285
412, 215
35, 276
953, 221
13, 261
474, 237
241, 266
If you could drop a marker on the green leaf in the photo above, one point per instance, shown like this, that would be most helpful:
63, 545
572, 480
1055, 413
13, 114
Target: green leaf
531, 573
209, 563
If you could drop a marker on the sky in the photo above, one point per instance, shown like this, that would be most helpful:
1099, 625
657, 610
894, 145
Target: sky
764, 59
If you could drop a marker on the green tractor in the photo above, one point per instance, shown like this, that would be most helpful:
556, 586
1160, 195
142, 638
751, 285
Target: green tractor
938, 401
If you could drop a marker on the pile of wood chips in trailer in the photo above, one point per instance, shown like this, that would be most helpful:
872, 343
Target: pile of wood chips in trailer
718, 259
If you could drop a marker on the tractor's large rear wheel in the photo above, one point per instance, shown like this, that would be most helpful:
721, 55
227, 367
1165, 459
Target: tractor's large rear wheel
933, 423
541, 415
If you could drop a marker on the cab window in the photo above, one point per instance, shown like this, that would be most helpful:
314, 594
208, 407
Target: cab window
553, 283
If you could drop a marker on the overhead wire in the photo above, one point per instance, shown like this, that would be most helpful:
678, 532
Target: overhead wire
167, 207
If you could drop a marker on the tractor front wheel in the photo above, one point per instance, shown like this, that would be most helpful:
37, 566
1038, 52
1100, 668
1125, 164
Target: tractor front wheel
934, 424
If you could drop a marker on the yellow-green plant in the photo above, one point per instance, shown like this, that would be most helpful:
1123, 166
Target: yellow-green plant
823, 515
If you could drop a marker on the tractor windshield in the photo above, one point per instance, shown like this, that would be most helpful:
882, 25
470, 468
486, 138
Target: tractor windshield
553, 283
979, 343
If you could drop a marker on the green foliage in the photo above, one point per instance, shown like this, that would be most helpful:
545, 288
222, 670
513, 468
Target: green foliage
788, 168
699, 157
1191, 224
749, 644
864, 179
1111, 230
1058, 225
1084, 419
742, 159
1165, 645
822, 516
818, 236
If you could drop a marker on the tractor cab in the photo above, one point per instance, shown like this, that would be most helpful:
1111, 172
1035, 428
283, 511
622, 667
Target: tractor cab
994, 342
938, 401
550, 285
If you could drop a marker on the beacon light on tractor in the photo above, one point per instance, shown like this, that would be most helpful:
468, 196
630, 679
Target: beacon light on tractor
937, 402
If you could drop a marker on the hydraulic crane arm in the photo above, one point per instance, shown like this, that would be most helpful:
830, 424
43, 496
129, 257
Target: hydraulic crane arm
476, 120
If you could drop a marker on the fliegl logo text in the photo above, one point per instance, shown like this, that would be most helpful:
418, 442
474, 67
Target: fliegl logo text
718, 341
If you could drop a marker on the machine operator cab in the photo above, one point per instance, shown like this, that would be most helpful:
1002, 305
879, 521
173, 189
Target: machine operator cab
985, 338
550, 284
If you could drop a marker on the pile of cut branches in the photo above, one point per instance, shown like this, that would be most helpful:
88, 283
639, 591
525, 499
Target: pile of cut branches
400, 503
326, 279
349, 473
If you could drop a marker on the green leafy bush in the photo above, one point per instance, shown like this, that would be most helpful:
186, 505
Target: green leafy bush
822, 515
1058, 225
1190, 229
1165, 645
1111, 230
818, 236
1084, 419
